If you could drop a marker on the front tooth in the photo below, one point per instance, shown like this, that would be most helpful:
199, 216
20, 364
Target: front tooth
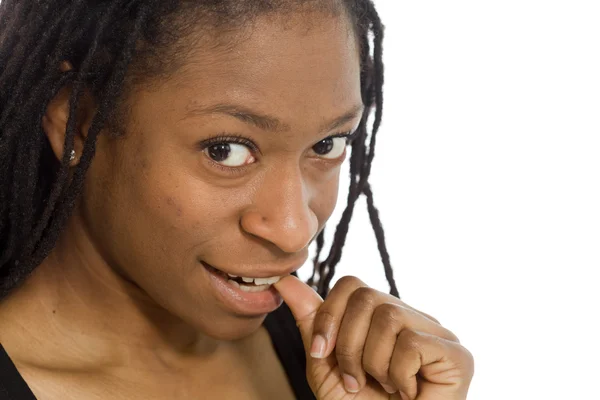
247, 280
266, 281
232, 276
274, 279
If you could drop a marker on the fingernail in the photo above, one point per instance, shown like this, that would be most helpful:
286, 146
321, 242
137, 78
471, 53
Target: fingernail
389, 389
351, 384
317, 349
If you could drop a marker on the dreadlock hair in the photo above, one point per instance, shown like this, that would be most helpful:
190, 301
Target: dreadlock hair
113, 45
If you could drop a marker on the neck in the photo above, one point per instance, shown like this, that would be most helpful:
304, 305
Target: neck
77, 309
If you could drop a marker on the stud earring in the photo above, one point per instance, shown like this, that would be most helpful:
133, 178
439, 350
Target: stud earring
72, 157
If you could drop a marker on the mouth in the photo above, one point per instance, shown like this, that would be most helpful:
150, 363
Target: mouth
245, 284
244, 296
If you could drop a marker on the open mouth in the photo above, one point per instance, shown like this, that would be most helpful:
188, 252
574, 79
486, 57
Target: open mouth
243, 283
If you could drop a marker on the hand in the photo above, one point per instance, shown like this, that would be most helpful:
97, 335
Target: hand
407, 354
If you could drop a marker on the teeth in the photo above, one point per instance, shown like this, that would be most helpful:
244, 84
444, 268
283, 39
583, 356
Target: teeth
249, 289
258, 281
267, 281
254, 289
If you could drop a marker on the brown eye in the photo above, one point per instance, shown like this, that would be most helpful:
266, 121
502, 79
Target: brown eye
219, 152
229, 154
331, 148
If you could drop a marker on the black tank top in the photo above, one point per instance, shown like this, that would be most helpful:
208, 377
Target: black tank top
281, 327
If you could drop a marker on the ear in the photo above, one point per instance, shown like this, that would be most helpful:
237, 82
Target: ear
54, 122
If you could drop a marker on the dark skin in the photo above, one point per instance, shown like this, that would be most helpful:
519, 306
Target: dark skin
123, 298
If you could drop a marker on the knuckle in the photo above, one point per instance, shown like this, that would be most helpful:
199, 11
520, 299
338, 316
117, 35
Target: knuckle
346, 353
403, 304
379, 371
324, 320
410, 340
431, 318
439, 340
391, 311
449, 335
363, 297
349, 281
388, 314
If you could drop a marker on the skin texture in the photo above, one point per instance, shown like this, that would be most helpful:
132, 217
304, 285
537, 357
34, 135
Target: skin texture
122, 308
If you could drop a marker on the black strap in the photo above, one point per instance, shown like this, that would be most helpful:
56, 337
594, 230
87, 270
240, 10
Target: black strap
287, 342
12, 384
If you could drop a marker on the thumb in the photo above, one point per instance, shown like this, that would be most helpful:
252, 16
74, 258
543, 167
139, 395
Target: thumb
304, 303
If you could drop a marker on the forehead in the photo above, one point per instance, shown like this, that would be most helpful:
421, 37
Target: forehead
298, 66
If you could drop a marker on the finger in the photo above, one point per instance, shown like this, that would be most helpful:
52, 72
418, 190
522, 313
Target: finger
420, 312
380, 344
329, 317
352, 336
430, 366
388, 320
358, 324
303, 302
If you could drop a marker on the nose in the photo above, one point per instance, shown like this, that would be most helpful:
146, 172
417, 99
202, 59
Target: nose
281, 212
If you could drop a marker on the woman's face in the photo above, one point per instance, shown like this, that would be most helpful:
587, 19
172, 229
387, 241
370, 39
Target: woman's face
160, 201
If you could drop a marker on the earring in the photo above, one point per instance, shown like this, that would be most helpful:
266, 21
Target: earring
72, 157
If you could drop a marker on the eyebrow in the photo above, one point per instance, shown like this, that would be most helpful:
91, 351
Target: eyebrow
263, 121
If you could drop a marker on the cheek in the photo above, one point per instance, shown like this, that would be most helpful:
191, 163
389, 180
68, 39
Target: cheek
325, 197
133, 214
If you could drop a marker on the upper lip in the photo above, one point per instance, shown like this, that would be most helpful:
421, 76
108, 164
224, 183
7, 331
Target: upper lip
263, 273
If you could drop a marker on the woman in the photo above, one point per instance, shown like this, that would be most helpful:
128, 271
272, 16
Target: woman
165, 166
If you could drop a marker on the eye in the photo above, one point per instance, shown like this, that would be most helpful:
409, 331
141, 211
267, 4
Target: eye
229, 154
331, 148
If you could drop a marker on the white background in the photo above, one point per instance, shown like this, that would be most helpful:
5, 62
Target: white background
487, 178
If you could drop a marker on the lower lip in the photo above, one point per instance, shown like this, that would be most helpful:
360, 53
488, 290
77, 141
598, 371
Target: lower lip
257, 303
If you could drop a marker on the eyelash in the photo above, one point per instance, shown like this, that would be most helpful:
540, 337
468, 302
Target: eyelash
243, 140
